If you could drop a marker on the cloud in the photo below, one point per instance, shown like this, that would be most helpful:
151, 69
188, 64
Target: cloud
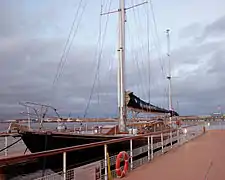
190, 31
199, 87
29, 56
199, 33
28, 68
215, 29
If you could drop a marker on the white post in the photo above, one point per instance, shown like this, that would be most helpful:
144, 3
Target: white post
131, 154
105, 154
64, 165
86, 127
178, 137
162, 142
171, 139
151, 147
148, 148
28, 116
6, 144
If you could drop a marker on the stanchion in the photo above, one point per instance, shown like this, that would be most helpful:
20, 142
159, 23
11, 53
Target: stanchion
178, 137
105, 154
148, 148
131, 154
64, 165
162, 142
6, 144
151, 147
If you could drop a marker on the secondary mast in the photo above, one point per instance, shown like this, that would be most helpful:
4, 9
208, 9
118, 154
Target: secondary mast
169, 75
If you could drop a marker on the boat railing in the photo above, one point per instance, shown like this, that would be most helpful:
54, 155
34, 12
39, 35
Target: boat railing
168, 139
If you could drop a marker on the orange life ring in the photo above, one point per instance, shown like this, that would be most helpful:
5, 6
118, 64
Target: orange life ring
120, 157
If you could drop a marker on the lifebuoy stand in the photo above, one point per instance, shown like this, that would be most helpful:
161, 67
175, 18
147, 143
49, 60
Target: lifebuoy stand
122, 156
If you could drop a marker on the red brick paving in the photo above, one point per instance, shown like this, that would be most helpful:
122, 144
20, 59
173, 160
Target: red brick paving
199, 159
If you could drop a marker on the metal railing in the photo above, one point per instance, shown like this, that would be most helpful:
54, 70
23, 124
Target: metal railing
168, 140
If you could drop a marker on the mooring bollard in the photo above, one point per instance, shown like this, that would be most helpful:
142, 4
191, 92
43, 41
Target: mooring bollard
203, 129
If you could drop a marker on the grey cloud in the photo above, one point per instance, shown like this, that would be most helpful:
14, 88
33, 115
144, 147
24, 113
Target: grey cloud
190, 31
31, 19
199, 70
199, 33
29, 68
201, 90
217, 28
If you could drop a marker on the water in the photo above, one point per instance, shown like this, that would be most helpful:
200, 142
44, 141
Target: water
18, 149
4, 127
215, 125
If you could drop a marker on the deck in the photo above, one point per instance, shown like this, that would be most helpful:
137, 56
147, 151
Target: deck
201, 158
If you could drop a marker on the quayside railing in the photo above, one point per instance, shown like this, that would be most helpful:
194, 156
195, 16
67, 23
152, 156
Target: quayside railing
104, 169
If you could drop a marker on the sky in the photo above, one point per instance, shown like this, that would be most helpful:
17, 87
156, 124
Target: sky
33, 35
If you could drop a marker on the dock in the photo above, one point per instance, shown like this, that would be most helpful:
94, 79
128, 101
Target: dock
201, 158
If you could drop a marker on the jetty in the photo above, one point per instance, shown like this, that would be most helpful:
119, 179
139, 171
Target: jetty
200, 158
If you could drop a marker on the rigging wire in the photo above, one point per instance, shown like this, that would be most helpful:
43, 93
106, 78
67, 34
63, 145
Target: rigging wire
157, 37
135, 57
100, 32
10, 145
143, 57
100, 47
98, 61
138, 39
148, 54
71, 42
66, 45
157, 43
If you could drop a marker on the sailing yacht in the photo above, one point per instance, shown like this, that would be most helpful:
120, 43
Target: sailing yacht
37, 141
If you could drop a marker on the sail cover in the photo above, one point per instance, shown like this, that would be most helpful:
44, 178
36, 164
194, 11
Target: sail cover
135, 103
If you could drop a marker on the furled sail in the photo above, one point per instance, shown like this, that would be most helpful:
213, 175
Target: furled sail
135, 103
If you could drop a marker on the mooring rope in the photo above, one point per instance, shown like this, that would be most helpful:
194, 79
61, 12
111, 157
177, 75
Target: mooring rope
10, 145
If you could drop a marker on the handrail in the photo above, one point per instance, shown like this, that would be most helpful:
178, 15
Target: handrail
22, 158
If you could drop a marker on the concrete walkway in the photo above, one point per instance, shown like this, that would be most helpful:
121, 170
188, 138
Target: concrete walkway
200, 159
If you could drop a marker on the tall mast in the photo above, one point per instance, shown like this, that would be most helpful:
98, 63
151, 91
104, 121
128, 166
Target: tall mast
121, 63
121, 79
169, 75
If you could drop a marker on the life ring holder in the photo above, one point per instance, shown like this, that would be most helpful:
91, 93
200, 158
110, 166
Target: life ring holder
120, 157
